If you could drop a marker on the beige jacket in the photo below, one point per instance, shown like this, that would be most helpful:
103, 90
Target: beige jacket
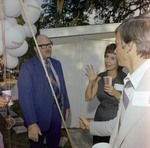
134, 131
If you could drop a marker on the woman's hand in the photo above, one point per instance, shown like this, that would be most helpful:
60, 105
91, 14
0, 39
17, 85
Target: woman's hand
91, 73
110, 90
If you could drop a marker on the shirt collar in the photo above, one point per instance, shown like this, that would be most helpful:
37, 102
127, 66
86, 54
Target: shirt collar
137, 75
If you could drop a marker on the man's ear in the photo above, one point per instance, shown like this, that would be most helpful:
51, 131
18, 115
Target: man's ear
35, 49
129, 46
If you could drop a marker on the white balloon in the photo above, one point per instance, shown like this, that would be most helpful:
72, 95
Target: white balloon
6, 25
11, 7
18, 14
10, 62
18, 52
1, 47
13, 38
21, 28
33, 11
28, 31
13, 21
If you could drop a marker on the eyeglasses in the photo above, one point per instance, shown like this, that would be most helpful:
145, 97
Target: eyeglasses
44, 46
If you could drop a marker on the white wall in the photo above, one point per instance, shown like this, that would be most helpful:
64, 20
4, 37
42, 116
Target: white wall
74, 58
76, 47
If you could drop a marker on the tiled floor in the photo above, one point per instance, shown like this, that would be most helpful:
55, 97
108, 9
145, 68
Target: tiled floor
80, 138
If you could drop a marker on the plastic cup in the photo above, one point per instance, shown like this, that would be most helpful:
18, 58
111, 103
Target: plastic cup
108, 80
7, 96
101, 145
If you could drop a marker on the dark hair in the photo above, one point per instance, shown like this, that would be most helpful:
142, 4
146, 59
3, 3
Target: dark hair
110, 48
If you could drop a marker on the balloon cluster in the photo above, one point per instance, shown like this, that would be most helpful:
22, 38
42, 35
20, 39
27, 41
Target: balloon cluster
15, 34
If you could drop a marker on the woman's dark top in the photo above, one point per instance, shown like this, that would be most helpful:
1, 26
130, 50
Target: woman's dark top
108, 104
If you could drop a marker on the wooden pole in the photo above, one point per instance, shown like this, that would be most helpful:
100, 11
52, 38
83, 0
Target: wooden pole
46, 73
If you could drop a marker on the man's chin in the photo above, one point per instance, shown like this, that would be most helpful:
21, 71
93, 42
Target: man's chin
48, 56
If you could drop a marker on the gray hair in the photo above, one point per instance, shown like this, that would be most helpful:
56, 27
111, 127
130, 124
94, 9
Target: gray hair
138, 31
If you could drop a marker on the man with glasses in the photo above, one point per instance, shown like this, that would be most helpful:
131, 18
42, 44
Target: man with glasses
41, 115
131, 127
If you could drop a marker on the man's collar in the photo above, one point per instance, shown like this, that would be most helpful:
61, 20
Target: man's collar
137, 74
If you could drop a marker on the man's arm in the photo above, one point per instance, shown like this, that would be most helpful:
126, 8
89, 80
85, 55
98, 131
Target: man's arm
98, 128
25, 94
104, 128
26, 102
34, 132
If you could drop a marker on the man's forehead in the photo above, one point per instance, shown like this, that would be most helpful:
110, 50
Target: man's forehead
43, 39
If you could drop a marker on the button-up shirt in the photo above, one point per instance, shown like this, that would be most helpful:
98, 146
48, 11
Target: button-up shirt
135, 78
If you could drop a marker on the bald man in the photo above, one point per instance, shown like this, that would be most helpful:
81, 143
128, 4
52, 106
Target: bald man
41, 115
